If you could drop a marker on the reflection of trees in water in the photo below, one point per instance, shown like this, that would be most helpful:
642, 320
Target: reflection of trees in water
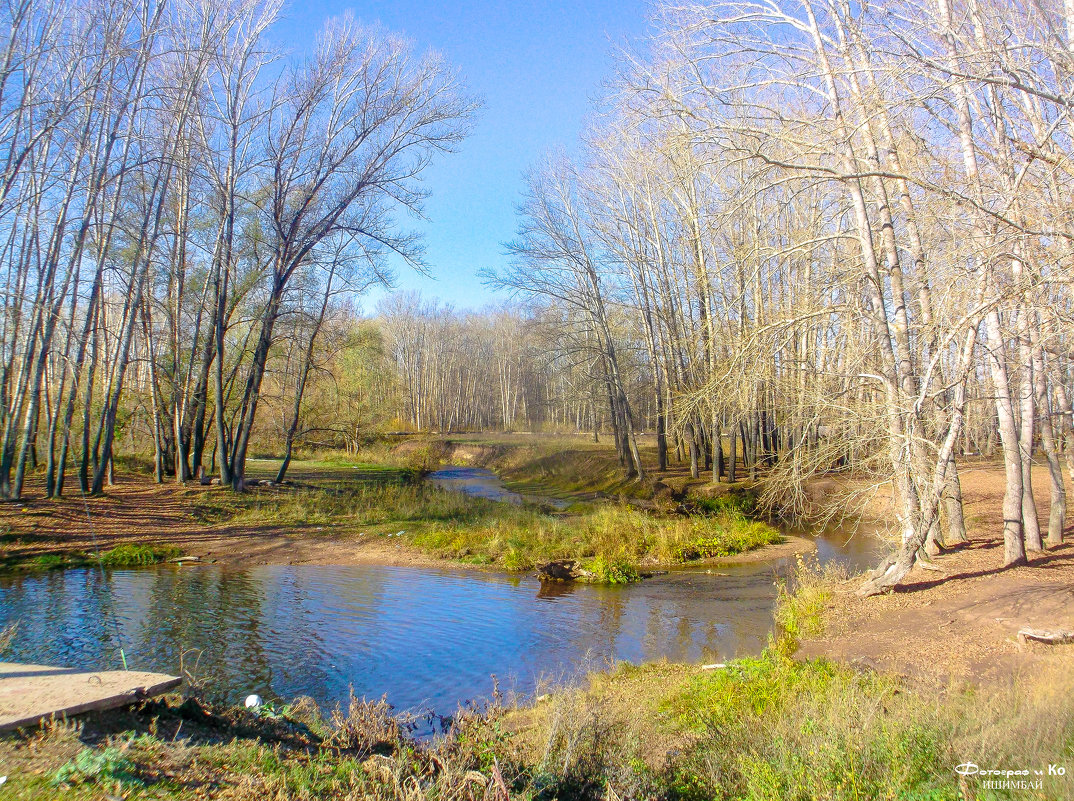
656, 631
613, 608
65, 618
286, 630
548, 590
686, 632
215, 612
273, 630
326, 627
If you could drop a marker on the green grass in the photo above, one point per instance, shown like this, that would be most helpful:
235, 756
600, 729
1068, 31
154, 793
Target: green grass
53, 561
615, 537
612, 571
737, 500
126, 555
779, 729
762, 686
138, 555
359, 503
108, 767
619, 535
800, 603
774, 728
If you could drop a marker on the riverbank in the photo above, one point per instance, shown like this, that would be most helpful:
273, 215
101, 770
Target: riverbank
960, 621
340, 512
960, 624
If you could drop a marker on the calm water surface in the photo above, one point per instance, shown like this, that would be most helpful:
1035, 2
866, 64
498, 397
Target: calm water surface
481, 483
428, 639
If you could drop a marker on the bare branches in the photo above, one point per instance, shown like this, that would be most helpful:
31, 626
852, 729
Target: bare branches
164, 181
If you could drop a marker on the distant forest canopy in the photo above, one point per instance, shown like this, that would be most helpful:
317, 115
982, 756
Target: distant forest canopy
829, 235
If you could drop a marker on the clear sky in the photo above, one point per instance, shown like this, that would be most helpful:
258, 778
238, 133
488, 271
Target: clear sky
535, 65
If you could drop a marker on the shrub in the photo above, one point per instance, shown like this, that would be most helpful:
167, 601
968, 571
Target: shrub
48, 561
800, 604
368, 727
740, 502
612, 571
776, 728
516, 561
732, 534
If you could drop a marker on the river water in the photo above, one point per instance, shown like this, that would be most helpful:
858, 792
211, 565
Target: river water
481, 483
428, 639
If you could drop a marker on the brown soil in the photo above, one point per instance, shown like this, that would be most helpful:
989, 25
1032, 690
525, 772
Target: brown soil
963, 623
136, 510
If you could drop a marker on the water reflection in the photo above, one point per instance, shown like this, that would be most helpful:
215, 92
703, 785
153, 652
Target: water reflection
478, 482
425, 638
852, 545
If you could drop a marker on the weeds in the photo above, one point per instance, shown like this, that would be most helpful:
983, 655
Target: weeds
358, 503
763, 728
778, 728
612, 571
138, 555
739, 501
800, 604
53, 561
609, 536
732, 533
109, 767
368, 727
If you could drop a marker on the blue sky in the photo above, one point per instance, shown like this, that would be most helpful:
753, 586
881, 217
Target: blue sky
535, 65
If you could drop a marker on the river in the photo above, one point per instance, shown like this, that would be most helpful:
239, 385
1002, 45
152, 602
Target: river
428, 639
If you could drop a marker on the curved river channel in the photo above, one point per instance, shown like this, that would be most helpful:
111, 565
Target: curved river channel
428, 639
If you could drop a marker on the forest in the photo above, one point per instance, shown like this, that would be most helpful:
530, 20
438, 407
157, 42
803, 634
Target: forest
804, 237
788, 324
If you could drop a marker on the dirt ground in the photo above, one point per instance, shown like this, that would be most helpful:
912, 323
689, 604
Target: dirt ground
136, 510
961, 624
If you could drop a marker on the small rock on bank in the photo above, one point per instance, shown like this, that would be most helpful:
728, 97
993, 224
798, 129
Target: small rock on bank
563, 570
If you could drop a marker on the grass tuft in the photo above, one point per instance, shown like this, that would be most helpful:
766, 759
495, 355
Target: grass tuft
612, 571
800, 603
138, 555
125, 555
109, 767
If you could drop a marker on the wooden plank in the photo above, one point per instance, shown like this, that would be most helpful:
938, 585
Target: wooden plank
30, 694
1056, 637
